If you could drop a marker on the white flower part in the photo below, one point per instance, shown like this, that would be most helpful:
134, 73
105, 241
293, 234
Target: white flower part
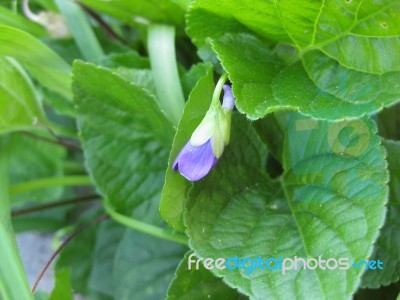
228, 100
225, 124
205, 129
216, 125
217, 143
221, 135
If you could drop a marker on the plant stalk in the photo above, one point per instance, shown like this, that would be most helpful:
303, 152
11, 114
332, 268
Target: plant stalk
161, 47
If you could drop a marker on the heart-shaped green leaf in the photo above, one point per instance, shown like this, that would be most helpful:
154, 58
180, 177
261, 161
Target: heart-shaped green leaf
329, 203
327, 60
125, 137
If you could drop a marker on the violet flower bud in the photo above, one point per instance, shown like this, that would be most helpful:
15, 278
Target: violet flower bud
206, 145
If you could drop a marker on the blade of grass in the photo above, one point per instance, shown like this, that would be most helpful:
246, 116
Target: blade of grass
49, 182
81, 30
9, 18
13, 282
161, 46
43, 63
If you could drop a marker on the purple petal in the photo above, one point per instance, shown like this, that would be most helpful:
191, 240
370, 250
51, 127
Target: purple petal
228, 101
195, 162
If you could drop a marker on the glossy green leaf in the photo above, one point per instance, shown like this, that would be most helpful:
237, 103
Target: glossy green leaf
327, 60
62, 288
387, 248
252, 92
144, 266
351, 32
45, 65
176, 186
318, 86
142, 78
125, 137
330, 202
20, 107
199, 284
207, 20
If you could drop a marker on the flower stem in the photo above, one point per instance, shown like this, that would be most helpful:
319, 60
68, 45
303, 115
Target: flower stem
144, 227
218, 89
63, 244
59, 141
49, 182
161, 47
77, 200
